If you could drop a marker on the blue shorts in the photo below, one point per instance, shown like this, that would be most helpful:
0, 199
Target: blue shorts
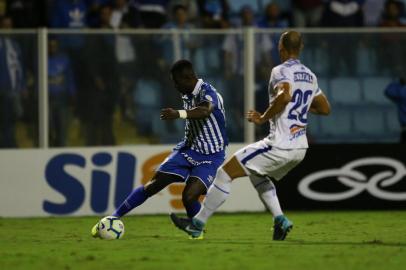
189, 163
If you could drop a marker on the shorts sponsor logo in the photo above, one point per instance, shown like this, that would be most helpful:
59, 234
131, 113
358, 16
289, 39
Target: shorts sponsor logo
195, 162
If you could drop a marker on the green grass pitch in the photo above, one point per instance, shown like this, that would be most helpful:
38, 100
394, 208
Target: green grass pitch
319, 240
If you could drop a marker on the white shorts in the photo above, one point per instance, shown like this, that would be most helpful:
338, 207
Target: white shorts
264, 159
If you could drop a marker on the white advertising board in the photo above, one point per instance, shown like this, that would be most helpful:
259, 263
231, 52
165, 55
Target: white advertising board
93, 181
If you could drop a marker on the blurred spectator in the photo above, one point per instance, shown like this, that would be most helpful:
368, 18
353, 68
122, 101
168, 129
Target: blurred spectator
372, 12
343, 13
390, 59
72, 14
152, 12
93, 10
27, 13
273, 19
124, 15
177, 46
307, 13
191, 7
180, 18
396, 91
391, 15
185, 41
3, 6
213, 13
402, 5
100, 94
12, 85
233, 48
69, 14
6, 22
61, 87
173, 46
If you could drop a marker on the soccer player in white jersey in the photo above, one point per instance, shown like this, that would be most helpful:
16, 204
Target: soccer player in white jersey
293, 92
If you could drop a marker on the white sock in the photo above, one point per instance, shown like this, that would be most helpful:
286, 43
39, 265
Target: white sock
216, 195
267, 191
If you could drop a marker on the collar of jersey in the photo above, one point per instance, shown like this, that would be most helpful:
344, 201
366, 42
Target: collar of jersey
196, 90
197, 87
293, 60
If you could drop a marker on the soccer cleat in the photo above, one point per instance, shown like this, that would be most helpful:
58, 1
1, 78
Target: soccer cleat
192, 227
95, 230
282, 226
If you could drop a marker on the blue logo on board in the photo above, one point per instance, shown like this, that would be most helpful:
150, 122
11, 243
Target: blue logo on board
73, 190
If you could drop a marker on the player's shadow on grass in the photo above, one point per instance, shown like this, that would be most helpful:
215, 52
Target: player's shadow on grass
309, 243
375, 242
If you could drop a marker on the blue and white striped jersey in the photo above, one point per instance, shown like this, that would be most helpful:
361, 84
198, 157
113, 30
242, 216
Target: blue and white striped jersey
205, 136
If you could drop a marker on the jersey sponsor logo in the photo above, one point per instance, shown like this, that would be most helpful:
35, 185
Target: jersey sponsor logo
356, 181
296, 131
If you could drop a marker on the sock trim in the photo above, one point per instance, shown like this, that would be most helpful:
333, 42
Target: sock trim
261, 183
222, 190
127, 204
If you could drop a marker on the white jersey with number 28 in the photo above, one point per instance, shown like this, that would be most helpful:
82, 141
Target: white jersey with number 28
288, 128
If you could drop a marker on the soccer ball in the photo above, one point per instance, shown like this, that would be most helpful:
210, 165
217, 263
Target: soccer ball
111, 228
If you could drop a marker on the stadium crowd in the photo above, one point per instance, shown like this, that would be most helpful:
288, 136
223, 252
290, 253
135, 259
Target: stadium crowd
203, 13
91, 76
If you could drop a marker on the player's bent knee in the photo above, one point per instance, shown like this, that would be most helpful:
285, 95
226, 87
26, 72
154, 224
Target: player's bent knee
261, 184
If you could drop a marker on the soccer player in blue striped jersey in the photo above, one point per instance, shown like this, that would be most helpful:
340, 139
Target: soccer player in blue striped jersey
197, 157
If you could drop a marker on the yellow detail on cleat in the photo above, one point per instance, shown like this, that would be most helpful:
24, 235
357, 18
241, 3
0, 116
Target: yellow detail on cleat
200, 237
95, 230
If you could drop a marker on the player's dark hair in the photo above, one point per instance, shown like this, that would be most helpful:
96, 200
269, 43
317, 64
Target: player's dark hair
292, 42
182, 67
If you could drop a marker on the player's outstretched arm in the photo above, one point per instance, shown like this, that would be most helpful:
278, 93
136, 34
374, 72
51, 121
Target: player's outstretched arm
282, 99
320, 105
200, 112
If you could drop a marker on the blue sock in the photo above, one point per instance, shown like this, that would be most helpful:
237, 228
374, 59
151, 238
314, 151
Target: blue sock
193, 208
137, 197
